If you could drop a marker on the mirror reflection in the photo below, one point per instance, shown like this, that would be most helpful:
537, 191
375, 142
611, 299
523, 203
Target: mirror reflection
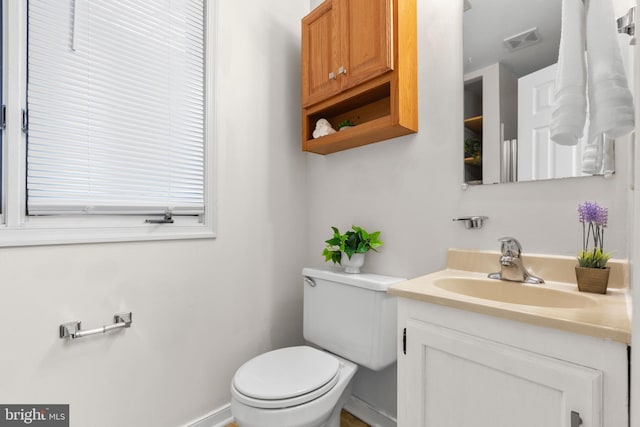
510, 56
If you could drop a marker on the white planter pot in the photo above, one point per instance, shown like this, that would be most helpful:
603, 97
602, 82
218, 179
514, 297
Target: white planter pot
352, 265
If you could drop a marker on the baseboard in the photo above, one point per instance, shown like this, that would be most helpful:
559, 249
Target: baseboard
217, 418
360, 409
368, 414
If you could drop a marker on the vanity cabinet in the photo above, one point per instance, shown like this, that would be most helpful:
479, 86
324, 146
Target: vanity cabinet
458, 368
359, 64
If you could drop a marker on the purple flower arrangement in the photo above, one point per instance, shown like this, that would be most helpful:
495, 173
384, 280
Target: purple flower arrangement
594, 220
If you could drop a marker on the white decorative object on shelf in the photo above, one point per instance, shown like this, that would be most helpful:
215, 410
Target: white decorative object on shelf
323, 127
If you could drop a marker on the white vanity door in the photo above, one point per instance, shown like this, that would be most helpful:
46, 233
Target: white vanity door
456, 380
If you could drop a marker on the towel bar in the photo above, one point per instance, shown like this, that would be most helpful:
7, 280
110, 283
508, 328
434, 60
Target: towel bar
627, 24
472, 221
73, 329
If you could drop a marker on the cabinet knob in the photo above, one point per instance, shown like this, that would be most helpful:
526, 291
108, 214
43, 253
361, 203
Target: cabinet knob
332, 76
342, 70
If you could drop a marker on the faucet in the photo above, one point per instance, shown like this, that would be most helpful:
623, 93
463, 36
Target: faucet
511, 267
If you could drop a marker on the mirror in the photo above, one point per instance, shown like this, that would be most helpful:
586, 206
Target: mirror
510, 55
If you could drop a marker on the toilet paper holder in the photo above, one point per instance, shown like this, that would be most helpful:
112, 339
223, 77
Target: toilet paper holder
74, 330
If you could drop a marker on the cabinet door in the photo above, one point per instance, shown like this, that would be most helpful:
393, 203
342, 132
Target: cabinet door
451, 379
366, 40
320, 53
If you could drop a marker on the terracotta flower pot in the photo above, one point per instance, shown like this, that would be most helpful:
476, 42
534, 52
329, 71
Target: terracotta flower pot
594, 280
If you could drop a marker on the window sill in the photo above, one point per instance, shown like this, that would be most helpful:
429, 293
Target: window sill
46, 234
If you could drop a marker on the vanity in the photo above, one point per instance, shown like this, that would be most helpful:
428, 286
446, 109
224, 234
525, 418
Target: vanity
476, 352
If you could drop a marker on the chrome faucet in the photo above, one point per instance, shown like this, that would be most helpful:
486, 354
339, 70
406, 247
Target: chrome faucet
511, 267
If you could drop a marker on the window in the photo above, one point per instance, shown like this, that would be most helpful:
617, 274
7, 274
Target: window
113, 136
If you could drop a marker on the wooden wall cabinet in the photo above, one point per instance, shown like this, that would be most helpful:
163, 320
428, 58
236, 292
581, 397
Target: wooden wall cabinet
359, 63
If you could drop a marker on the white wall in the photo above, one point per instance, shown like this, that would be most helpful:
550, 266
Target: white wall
634, 258
410, 187
201, 308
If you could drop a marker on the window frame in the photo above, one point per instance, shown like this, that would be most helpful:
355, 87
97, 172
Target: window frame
19, 229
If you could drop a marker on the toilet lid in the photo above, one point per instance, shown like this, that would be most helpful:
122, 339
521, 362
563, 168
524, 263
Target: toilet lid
286, 373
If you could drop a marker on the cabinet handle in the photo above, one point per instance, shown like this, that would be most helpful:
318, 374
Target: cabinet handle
334, 76
576, 421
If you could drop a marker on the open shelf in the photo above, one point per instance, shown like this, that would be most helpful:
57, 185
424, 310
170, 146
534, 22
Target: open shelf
370, 111
474, 124
360, 109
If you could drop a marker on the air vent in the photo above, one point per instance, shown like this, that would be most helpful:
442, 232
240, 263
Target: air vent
522, 40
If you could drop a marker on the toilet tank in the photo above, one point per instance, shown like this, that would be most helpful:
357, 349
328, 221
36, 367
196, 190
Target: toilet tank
351, 315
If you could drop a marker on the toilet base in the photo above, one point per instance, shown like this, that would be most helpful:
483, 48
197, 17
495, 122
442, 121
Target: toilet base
322, 412
334, 419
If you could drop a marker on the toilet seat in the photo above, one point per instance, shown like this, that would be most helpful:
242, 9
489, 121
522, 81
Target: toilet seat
285, 377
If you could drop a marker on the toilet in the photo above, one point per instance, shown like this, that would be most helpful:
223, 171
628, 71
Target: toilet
350, 321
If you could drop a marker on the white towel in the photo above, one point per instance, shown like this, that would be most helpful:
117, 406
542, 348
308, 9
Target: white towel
570, 105
611, 110
608, 157
592, 153
598, 156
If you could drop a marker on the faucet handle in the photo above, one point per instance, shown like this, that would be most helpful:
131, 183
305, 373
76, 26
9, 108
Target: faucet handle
510, 247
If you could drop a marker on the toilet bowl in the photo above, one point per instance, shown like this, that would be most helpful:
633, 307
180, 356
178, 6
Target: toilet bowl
352, 319
291, 387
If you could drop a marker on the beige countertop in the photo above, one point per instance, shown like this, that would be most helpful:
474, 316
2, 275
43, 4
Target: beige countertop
603, 316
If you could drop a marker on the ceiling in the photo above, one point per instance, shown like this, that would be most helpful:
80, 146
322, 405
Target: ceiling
489, 22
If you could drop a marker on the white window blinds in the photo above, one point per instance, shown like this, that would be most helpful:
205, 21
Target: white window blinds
115, 100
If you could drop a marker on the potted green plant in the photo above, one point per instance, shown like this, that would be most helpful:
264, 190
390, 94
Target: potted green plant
345, 124
348, 249
472, 151
592, 274
472, 160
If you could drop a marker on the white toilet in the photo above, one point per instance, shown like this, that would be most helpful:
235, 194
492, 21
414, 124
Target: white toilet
353, 320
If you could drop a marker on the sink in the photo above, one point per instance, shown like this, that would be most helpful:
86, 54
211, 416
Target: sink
463, 285
513, 292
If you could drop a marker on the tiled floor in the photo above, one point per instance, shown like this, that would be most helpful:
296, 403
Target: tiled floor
346, 420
